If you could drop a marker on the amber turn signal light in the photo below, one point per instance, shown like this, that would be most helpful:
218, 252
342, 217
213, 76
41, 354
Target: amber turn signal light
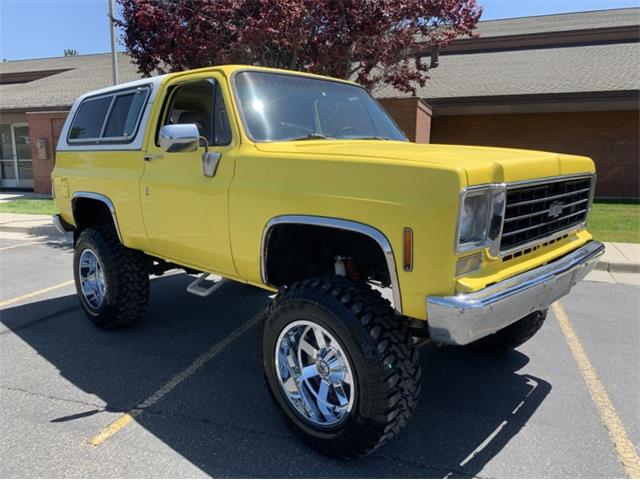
407, 249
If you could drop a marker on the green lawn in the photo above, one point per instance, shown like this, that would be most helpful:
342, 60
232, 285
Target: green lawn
33, 206
608, 222
615, 221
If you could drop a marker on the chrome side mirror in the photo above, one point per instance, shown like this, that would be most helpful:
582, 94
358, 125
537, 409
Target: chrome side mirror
180, 138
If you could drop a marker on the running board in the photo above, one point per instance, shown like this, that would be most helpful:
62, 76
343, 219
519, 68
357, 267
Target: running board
197, 286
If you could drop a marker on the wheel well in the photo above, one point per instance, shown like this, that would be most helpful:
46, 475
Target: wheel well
89, 212
294, 252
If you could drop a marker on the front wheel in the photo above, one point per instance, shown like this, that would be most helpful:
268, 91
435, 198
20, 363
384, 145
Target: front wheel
339, 365
512, 336
112, 280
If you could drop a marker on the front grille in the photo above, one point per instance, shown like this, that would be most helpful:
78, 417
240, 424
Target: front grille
535, 212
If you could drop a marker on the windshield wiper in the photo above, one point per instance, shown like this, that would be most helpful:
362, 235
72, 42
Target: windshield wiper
311, 136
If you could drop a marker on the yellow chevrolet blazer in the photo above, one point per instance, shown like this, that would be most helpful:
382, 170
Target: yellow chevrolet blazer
304, 185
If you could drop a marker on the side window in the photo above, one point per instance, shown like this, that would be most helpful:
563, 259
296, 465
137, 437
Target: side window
87, 123
221, 128
201, 103
124, 114
123, 110
193, 103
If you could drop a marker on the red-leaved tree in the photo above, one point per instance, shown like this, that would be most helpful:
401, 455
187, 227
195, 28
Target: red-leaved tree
370, 41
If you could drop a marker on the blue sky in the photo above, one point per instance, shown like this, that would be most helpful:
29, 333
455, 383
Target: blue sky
44, 28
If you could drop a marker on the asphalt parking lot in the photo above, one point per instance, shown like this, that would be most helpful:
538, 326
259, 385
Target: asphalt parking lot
181, 393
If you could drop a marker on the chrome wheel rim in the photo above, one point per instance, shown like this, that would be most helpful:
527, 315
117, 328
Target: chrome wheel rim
92, 281
314, 373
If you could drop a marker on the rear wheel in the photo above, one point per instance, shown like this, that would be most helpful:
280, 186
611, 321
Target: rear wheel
112, 280
512, 336
339, 366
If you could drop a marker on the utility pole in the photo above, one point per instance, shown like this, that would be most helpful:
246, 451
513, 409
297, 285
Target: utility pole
112, 29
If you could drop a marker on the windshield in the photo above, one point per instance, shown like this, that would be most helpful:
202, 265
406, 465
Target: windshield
280, 107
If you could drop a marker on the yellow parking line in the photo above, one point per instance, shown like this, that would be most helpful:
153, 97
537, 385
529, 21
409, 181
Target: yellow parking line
114, 427
176, 380
34, 294
19, 245
624, 448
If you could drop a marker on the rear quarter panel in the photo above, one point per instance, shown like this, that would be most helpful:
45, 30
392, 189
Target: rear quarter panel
115, 174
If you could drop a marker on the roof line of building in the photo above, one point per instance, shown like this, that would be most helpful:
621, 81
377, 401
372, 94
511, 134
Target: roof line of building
536, 103
562, 13
537, 40
120, 52
635, 94
35, 109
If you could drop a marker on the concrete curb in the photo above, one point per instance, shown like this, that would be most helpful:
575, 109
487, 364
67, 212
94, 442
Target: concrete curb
620, 258
34, 229
618, 267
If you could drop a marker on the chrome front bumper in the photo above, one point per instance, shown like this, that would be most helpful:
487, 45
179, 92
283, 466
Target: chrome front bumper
463, 318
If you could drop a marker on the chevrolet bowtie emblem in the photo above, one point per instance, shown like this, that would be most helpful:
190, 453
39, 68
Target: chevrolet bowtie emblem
555, 209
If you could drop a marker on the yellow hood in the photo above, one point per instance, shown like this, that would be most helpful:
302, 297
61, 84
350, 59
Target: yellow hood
481, 164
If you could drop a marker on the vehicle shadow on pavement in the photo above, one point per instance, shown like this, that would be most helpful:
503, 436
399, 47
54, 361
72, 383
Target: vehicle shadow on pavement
222, 418
45, 234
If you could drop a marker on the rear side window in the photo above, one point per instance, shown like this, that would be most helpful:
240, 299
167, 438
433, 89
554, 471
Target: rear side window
89, 119
109, 118
124, 114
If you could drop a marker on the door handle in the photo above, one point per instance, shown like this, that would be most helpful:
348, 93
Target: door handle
149, 157
210, 161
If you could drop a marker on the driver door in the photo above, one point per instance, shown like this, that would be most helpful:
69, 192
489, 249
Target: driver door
185, 211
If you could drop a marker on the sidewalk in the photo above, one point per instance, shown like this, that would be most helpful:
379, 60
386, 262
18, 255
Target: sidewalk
22, 220
30, 228
619, 264
9, 196
618, 258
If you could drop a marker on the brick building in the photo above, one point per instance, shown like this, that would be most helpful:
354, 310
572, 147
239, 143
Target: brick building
567, 83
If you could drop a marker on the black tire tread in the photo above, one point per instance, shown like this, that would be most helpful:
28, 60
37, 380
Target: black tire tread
512, 336
396, 379
128, 278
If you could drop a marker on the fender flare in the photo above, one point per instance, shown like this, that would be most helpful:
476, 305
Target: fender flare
340, 224
100, 198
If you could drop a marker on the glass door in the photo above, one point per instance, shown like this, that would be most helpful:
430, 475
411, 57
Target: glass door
23, 155
16, 170
8, 172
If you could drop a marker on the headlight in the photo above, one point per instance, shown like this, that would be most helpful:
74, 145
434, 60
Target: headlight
474, 218
480, 218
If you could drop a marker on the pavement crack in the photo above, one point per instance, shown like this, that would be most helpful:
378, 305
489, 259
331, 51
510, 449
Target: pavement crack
102, 408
